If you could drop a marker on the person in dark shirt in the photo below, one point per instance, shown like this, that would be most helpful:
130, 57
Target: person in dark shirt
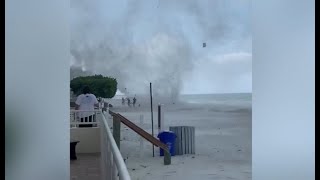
134, 101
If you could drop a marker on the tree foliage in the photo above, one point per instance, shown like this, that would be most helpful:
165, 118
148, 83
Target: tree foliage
105, 87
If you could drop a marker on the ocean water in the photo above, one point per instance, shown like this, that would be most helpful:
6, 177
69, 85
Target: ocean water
231, 99
241, 98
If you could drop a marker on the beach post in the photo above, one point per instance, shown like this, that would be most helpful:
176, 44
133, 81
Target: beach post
159, 118
116, 130
141, 139
167, 157
162, 117
151, 117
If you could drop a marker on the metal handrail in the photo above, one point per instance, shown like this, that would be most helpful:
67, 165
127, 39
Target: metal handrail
117, 158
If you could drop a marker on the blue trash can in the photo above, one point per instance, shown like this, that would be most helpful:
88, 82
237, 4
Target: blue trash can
168, 138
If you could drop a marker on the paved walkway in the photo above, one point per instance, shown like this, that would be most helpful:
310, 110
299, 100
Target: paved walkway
86, 167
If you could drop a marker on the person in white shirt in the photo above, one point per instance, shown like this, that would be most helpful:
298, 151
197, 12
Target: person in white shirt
86, 102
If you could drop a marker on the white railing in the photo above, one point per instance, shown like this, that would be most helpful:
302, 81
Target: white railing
75, 119
112, 163
113, 166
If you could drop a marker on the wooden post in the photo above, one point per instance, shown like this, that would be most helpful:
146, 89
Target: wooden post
116, 130
162, 118
167, 157
159, 118
151, 117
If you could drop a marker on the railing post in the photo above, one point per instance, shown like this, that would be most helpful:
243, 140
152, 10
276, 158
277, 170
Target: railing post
94, 119
111, 167
114, 169
103, 150
109, 159
116, 130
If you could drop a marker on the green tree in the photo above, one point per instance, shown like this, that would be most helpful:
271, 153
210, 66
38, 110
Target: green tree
105, 87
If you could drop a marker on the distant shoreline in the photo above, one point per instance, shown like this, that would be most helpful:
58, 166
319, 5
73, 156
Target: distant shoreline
217, 93
119, 95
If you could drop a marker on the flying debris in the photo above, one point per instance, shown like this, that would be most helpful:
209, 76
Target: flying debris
204, 44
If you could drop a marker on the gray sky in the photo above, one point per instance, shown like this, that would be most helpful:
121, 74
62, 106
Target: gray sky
160, 41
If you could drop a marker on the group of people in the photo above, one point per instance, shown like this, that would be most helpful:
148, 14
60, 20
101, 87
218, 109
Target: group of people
134, 101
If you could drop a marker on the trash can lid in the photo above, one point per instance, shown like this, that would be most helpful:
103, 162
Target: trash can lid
165, 132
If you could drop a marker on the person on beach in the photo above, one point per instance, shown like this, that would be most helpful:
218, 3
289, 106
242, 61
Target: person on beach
86, 102
134, 101
123, 100
128, 101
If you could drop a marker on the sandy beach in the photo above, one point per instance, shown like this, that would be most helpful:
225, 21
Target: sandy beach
222, 138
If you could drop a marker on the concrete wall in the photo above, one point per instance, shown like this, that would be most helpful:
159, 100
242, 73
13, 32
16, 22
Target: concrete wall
89, 139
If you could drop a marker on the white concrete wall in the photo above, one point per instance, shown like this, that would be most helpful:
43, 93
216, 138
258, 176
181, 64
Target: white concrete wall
89, 139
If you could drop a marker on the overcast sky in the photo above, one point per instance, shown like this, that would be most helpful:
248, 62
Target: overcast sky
160, 41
